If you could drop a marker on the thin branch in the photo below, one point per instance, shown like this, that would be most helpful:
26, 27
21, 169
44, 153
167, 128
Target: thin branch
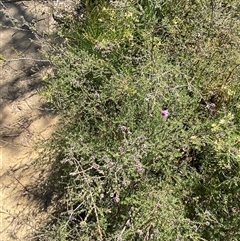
94, 205
14, 1
228, 80
38, 60
16, 28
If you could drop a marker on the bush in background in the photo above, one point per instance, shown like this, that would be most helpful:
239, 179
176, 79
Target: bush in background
148, 145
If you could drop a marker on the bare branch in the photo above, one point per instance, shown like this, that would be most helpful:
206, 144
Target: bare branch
18, 59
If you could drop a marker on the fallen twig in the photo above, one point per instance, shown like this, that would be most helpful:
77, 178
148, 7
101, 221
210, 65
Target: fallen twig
38, 60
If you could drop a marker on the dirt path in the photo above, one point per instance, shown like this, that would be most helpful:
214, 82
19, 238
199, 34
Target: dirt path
24, 117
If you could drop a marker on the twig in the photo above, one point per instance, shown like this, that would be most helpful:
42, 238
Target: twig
25, 188
38, 60
228, 80
119, 238
94, 205
14, 1
16, 28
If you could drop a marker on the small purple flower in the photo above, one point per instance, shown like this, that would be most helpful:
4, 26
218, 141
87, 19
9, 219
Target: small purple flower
207, 213
96, 95
110, 164
120, 149
92, 158
211, 93
97, 45
132, 157
111, 194
95, 166
144, 146
165, 113
126, 183
123, 128
143, 138
139, 167
139, 232
158, 205
195, 227
75, 82
207, 223
64, 160
117, 199
211, 106
104, 158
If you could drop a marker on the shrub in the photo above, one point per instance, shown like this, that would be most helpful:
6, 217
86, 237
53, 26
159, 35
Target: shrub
148, 140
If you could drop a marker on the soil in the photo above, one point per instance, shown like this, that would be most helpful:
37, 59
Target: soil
25, 118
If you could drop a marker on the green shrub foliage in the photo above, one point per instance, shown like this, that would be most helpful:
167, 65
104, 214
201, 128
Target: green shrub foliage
148, 144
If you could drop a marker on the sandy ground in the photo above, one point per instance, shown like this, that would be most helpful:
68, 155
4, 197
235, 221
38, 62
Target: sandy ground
24, 117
